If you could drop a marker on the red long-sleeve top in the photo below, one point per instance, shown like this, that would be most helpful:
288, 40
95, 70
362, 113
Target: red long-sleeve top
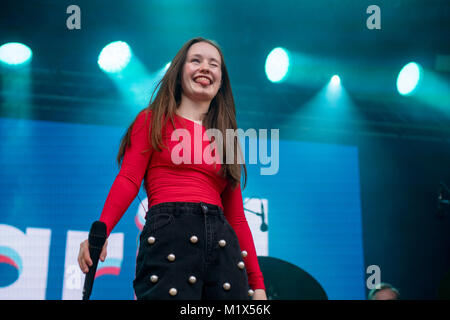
166, 181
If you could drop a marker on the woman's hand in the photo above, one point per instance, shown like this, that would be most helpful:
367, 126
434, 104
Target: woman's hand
84, 258
259, 294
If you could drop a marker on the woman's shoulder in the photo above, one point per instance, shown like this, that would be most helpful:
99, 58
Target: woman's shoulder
144, 116
142, 120
144, 113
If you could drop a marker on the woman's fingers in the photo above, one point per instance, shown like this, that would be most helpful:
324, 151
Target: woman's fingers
84, 258
104, 251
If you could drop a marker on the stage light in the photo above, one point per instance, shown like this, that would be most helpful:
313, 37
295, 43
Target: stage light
334, 91
15, 53
114, 57
408, 78
277, 64
335, 80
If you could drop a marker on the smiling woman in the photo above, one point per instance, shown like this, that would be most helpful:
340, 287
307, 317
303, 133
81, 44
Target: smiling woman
201, 80
196, 242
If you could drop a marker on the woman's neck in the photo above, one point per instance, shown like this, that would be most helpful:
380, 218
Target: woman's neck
193, 110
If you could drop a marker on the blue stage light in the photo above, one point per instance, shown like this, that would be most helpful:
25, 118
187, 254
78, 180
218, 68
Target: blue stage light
114, 57
335, 80
408, 78
15, 53
277, 64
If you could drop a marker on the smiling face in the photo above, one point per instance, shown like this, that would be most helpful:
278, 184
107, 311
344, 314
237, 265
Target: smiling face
202, 72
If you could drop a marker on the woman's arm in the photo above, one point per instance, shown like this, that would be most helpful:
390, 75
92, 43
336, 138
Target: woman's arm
125, 187
129, 179
234, 213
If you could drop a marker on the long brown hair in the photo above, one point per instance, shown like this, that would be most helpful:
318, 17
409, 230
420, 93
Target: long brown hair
221, 114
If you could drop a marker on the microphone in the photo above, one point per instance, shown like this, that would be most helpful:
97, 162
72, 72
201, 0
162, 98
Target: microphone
97, 238
264, 225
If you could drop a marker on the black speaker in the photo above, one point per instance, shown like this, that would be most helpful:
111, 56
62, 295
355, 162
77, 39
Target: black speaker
286, 281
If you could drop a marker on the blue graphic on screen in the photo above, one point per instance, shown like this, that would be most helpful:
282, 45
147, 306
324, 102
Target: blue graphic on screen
57, 176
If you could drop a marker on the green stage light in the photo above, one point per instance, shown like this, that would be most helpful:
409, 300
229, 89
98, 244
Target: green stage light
15, 53
114, 57
408, 78
277, 64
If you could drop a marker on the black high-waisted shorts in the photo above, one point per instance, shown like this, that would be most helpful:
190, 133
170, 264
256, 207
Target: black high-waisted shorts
189, 251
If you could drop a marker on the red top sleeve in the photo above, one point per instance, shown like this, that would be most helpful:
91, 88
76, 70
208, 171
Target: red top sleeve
234, 212
129, 179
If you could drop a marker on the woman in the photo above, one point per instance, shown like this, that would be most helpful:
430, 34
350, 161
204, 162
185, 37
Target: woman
196, 243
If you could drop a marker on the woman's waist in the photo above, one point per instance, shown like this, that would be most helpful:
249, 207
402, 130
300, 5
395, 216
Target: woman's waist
172, 187
196, 176
187, 200
178, 208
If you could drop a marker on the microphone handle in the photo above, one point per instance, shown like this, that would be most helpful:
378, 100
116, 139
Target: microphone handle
89, 280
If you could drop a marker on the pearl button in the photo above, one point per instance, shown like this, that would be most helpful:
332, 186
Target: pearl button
241, 265
192, 279
222, 243
154, 278
226, 286
151, 240
171, 257
194, 239
251, 292
244, 253
173, 292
